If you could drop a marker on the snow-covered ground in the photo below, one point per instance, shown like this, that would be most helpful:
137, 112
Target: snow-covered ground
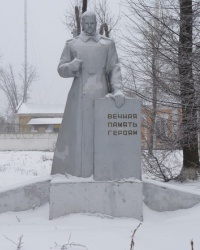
159, 231
20, 166
166, 230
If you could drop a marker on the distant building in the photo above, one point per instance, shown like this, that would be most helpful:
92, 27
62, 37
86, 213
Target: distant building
40, 118
47, 118
167, 128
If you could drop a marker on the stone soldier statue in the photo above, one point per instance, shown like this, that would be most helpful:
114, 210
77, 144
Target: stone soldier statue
93, 62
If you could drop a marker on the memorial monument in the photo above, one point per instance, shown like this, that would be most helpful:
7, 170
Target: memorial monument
100, 132
93, 62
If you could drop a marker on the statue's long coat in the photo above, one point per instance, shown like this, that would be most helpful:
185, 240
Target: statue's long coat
100, 74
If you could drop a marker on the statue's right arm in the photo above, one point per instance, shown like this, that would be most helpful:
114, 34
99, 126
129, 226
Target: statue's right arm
65, 60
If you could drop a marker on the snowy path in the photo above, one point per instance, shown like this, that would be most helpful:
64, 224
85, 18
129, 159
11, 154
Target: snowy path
169, 230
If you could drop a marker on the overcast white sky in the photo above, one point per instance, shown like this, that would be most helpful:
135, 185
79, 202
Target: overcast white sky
46, 38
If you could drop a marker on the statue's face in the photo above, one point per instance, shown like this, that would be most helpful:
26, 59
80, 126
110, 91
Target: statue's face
89, 25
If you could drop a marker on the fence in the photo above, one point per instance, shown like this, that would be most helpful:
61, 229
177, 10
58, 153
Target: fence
28, 142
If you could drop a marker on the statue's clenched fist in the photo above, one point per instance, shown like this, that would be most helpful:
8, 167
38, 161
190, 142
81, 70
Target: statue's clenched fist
75, 65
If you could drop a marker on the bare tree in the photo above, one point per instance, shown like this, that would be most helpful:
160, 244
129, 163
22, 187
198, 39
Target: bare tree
25, 86
106, 20
147, 63
14, 89
9, 86
73, 16
161, 62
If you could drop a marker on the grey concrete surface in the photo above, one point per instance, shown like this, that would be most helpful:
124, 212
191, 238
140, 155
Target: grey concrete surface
117, 153
166, 197
25, 196
117, 198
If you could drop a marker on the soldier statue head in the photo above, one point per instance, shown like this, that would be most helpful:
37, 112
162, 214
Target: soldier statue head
89, 23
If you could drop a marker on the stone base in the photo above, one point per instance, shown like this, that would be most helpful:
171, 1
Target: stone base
25, 196
114, 198
168, 197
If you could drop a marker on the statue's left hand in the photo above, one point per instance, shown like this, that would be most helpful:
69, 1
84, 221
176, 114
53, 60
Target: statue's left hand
119, 98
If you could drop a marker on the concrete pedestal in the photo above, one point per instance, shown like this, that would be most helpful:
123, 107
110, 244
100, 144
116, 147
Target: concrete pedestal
114, 198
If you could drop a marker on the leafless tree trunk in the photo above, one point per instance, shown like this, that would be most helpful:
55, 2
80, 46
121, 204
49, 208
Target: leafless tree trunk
155, 43
188, 95
154, 104
78, 21
84, 8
